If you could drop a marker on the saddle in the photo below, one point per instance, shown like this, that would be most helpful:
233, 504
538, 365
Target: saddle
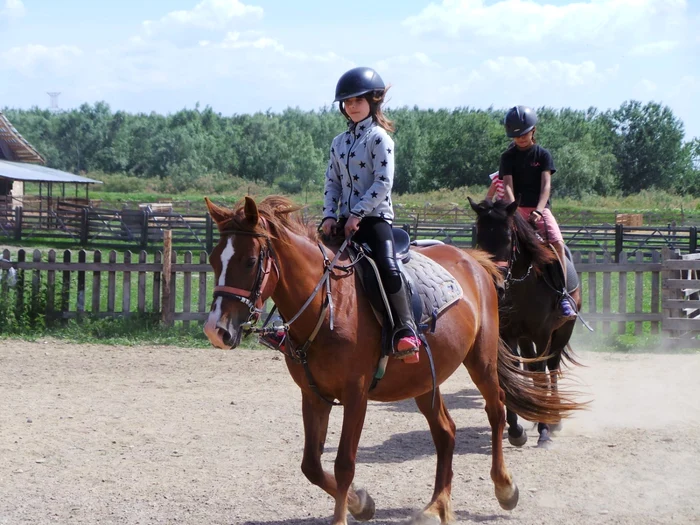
430, 287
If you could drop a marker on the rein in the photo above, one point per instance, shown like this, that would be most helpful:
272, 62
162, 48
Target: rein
253, 299
512, 257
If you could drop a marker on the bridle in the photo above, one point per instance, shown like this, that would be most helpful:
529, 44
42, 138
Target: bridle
506, 266
252, 298
267, 260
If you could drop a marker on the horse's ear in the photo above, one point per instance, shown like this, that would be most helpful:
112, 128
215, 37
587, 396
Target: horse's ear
478, 208
510, 209
251, 211
218, 213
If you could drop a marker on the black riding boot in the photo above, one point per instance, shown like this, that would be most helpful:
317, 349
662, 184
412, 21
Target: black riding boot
404, 339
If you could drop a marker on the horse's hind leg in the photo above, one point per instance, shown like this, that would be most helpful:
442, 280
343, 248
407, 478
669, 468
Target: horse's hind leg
482, 364
315, 413
443, 430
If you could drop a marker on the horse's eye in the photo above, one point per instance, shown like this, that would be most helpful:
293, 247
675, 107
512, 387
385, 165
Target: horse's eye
250, 262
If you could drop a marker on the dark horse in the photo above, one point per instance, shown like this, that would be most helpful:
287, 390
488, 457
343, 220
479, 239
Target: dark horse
266, 251
530, 314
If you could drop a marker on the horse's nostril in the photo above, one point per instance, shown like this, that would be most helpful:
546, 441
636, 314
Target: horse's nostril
225, 336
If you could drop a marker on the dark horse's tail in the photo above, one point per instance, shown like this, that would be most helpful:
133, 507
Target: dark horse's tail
532, 399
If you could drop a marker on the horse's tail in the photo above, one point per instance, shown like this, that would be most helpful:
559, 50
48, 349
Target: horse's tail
531, 398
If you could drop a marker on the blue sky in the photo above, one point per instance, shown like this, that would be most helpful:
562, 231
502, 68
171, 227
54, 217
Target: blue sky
242, 56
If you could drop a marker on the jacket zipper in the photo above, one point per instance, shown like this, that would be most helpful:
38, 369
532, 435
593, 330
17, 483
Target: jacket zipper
347, 165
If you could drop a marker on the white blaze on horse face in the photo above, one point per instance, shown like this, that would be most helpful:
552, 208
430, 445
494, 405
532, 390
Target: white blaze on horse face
215, 314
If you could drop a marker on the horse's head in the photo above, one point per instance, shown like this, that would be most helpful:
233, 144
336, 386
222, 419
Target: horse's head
494, 227
245, 270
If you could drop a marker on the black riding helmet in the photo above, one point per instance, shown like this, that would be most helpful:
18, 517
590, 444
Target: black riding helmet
356, 82
520, 120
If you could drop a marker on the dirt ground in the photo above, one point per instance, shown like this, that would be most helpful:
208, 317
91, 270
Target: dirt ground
142, 435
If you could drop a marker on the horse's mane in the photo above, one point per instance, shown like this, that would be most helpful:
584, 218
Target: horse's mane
485, 260
540, 252
281, 214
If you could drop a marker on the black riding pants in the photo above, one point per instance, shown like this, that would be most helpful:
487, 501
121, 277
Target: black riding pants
376, 233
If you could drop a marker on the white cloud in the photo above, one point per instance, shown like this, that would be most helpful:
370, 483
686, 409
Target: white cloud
654, 48
12, 9
400, 61
208, 15
553, 72
526, 21
36, 59
647, 86
257, 41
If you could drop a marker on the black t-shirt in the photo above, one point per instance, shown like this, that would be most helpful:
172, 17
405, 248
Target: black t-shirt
526, 167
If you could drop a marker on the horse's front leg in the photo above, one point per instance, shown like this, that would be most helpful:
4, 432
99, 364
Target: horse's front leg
443, 431
315, 412
516, 433
544, 346
359, 504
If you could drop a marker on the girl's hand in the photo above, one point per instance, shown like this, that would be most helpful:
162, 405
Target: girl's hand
352, 225
328, 227
535, 216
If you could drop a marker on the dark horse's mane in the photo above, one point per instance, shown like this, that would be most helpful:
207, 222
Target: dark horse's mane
528, 239
279, 212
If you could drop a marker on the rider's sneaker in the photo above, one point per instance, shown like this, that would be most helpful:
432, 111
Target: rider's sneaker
273, 340
407, 349
566, 308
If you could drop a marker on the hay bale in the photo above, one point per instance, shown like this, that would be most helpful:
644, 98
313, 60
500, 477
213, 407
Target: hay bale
629, 219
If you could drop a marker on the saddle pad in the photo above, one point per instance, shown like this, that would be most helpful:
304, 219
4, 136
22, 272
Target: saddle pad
436, 287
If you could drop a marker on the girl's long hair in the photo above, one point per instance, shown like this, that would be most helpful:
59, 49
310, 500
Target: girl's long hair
376, 100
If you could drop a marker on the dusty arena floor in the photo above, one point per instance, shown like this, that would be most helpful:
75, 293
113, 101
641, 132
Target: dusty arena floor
142, 435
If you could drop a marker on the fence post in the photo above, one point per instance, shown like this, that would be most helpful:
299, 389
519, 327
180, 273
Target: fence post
474, 235
210, 234
144, 229
84, 225
166, 299
18, 223
619, 237
693, 239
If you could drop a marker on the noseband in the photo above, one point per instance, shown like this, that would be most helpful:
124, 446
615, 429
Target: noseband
252, 298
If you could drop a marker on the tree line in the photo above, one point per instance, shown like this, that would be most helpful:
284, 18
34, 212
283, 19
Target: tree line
619, 151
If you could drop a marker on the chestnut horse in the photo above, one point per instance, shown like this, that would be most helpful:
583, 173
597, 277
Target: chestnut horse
531, 318
266, 251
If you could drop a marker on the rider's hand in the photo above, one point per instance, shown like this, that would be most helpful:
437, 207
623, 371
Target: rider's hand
328, 227
352, 225
535, 216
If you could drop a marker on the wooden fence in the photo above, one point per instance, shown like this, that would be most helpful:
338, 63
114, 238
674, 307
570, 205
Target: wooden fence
655, 292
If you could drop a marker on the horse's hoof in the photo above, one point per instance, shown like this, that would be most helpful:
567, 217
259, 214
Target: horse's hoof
545, 441
508, 498
518, 440
366, 506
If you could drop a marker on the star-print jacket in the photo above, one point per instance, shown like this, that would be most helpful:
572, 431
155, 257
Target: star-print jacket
360, 173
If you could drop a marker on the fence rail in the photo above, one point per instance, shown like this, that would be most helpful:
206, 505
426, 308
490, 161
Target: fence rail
658, 289
75, 225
